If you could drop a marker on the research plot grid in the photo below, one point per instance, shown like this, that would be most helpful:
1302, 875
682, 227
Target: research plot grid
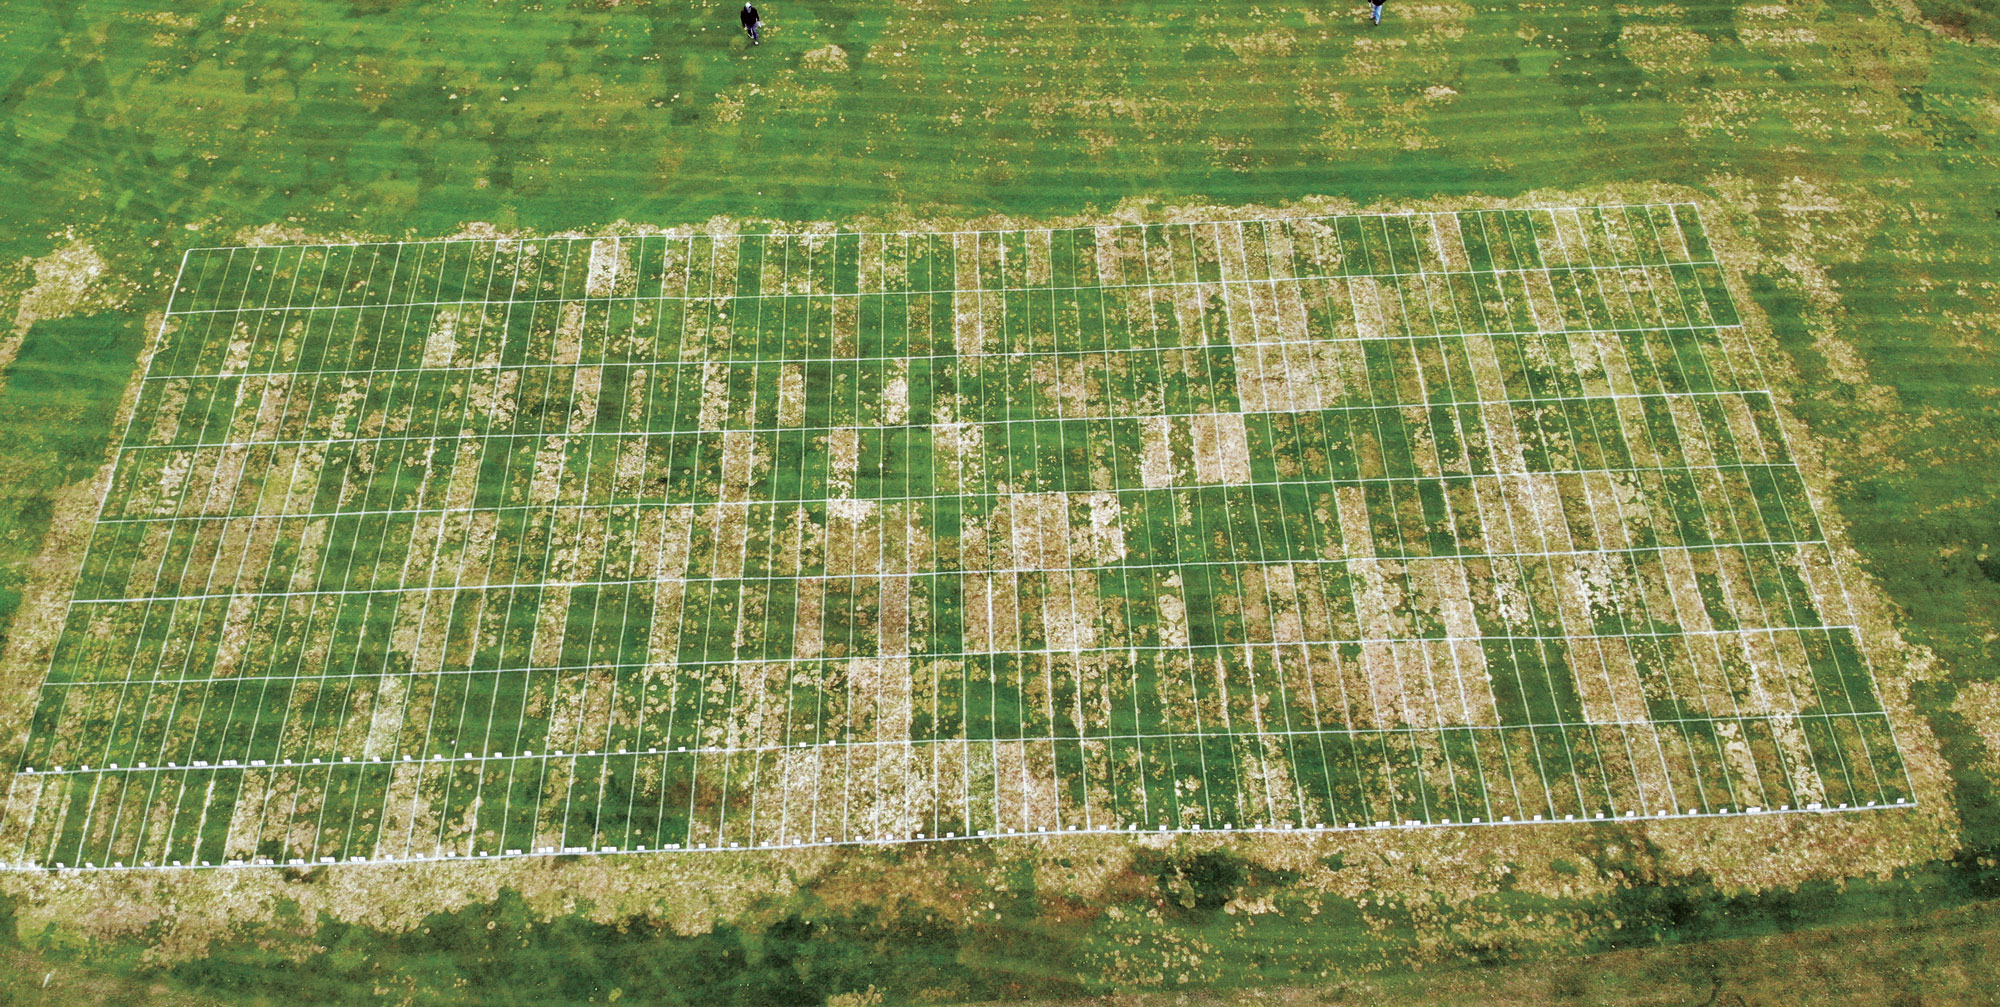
485, 548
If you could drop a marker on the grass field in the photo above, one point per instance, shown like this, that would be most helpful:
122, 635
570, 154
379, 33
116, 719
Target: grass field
1257, 417
484, 548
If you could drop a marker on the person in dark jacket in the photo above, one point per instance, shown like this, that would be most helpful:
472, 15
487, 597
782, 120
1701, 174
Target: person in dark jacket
751, 23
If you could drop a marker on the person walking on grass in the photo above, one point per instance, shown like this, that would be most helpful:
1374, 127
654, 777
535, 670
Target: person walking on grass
1377, 10
752, 23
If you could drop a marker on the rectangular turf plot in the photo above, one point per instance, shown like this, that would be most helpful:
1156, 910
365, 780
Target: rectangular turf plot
475, 548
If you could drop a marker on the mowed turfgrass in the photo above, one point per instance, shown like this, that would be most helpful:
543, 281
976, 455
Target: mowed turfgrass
479, 548
1842, 155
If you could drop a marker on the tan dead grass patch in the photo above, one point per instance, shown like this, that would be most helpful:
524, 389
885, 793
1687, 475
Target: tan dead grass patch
1221, 448
1156, 464
68, 281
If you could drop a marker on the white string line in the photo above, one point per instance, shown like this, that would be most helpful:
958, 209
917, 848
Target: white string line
536, 827
650, 674
1840, 749
734, 724
986, 482
582, 700
581, 703
1605, 304
630, 602
1080, 267
187, 658
652, 401
1480, 508
1120, 795
639, 505
722, 723
1143, 351
1179, 548
1406, 731
328, 797
1490, 698
505, 246
1567, 531
119, 710
347, 834
1145, 768
289, 817
1197, 514
1336, 533
269, 567
1297, 599
1200, 516
914, 551
728, 723
1738, 521
671, 635
612, 713
639, 731
634, 300
1056, 318
798, 566
837, 234
1535, 606
1612, 814
647, 682
241, 564
1437, 456
819, 695
937, 802
1010, 336
508, 615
